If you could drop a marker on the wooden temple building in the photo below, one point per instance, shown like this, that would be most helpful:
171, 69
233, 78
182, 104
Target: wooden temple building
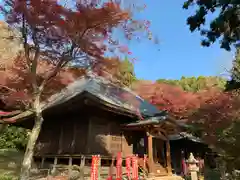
183, 143
94, 117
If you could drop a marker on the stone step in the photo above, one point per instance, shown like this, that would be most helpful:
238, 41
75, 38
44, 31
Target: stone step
173, 177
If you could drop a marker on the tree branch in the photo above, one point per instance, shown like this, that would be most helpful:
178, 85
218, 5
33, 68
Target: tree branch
63, 61
12, 113
5, 87
25, 42
34, 62
16, 118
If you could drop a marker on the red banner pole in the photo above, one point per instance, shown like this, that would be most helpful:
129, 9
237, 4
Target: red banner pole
145, 162
110, 174
119, 166
98, 164
134, 168
93, 168
128, 167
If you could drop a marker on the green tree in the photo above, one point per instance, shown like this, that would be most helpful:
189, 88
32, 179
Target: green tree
168, 81
126, 72
14, 138
224, 27
119, 71
195, 84
234, 83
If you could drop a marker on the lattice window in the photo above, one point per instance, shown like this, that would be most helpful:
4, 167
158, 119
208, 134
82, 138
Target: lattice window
116, 138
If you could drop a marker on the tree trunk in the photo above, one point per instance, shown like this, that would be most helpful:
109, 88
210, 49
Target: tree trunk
28, 156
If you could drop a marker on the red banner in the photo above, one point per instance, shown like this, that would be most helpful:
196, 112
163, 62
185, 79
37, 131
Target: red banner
145, 162
134, 167
184, 167
128, 167
98, 167
94, 168
119, 166
110, 174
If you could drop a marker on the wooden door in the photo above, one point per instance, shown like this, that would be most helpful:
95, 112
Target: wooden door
97, 136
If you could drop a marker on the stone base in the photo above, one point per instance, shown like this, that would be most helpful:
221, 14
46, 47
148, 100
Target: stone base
151, 175
173, 177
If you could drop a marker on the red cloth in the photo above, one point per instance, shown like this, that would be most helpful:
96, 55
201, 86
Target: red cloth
119, 166
184, 167
94, 168
135, 168
110, 174
128, 167
4, 113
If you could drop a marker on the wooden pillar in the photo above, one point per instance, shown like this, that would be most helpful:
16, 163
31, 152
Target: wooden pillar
150, 154
70, 166
81, 170
168, 154
88, 149
109, 138
54, 165
60, 143
73, 144
42, 163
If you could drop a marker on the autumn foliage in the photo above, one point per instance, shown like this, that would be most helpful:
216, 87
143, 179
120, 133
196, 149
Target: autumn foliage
116, 70
60, 43
168, 97
63, 43
211, 113
57, 29
16, 89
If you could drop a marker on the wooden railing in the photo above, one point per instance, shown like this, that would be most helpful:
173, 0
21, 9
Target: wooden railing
106, 167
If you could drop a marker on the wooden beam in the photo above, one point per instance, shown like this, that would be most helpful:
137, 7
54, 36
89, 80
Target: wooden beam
159, 133
150, 153
168, 154
157, 128
54, 165
60, 143
161, 136
42, 162
109, 138
69, 166
89, 136
73, 144
82, 164
133, 128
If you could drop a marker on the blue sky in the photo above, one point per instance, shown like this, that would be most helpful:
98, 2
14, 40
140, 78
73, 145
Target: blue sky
180, 52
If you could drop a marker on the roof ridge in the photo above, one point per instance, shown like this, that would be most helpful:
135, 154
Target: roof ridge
95, 76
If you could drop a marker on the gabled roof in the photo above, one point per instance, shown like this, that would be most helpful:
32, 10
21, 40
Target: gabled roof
185, 135
119, 97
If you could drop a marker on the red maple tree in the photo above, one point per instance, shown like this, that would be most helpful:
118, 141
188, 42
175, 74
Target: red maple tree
168, 97
217, 110
217, 122
212, 114
56, 40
